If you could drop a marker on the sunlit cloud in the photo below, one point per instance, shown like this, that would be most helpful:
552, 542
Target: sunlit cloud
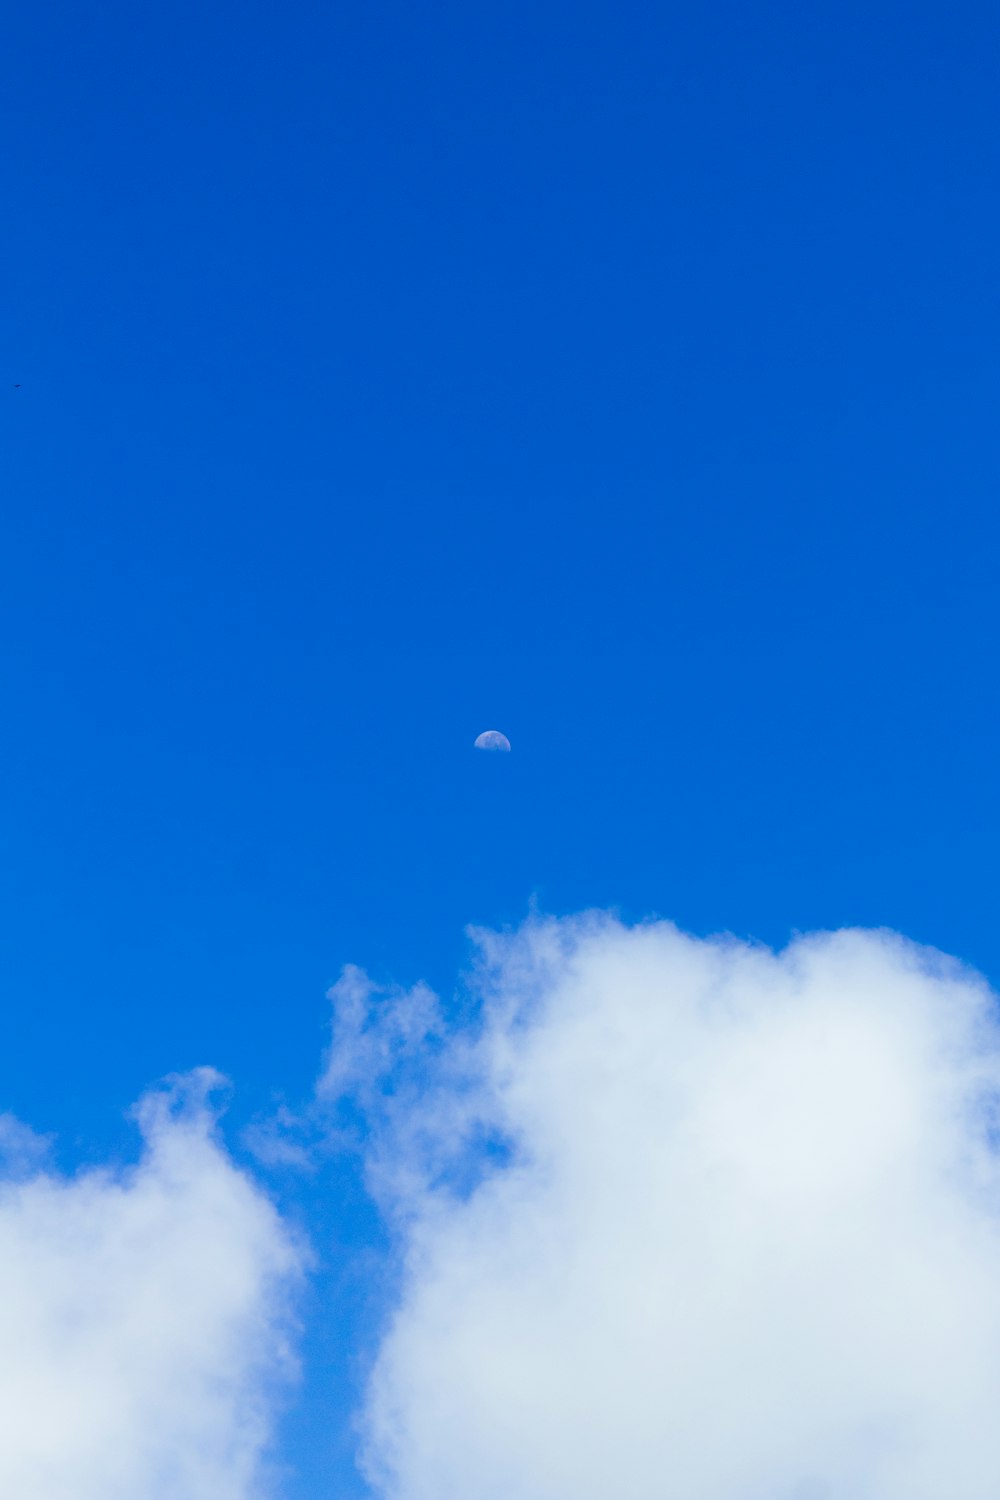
144, 1316
685, 1218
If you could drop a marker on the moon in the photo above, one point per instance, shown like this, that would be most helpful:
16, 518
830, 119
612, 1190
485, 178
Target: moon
492, 739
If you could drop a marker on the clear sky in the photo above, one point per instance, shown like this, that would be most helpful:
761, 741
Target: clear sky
622, 376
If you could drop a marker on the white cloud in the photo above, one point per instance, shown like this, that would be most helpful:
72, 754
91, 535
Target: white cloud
745, 1241
143, 1318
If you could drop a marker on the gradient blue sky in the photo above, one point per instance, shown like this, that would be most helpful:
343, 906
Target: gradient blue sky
622, 376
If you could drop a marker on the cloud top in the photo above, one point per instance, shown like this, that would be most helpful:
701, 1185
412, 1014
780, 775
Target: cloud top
144, 1317
734, 1233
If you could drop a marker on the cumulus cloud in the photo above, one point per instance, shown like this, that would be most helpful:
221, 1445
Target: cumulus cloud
734, 1233
144, 1316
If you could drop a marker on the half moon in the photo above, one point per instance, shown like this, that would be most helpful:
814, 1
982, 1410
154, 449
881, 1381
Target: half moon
492, 739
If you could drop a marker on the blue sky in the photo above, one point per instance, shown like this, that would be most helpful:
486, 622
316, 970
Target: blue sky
620, 376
